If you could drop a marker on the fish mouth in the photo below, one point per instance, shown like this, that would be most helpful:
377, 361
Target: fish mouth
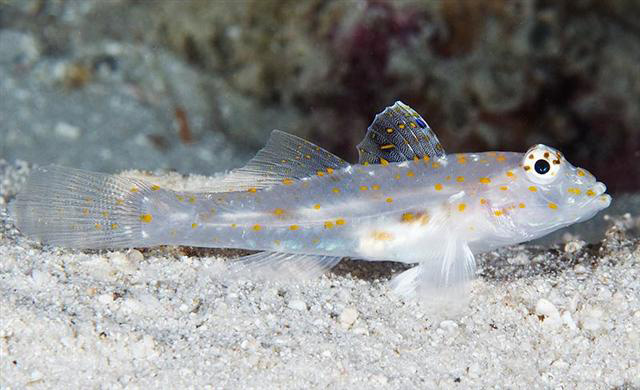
601, 199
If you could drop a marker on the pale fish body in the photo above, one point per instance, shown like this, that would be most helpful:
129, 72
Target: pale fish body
305, 208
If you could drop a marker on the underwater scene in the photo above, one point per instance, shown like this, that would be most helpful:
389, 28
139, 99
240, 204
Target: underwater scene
319, 193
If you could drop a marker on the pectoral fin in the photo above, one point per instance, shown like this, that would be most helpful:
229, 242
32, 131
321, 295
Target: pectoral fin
441, 278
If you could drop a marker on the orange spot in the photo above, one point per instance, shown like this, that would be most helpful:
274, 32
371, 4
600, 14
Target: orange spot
435, 165
256, 227
389, 200
533, 188
503, 188
423, 218
329, 170
194, 225
98, 226
105, 214
340, 221
192, 199
320, 173
336, 190
146, 218
497, 213
85, 212
438, 187
389, 130
387, 146
375, 187
460, 179
316, 206
590, 193
521, 205
485, 180
510, 174
575, 191
483, 201
328, 225
553, 205
114, 226
580, 172
134, 189
180, 198
155, 187
462, 160
501, 158
381, 236
233, 226
397, 177
462, 207
363, 188
410, 174
384, 162
252, 189
407, 217
287, 182
119, 202
426, 158
294, 227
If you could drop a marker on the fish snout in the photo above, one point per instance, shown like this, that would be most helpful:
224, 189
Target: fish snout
601, 199
599, 188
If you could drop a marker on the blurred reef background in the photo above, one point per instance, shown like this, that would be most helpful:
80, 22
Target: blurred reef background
197, 85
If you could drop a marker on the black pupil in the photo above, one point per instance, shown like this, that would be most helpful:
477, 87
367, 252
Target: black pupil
542, 166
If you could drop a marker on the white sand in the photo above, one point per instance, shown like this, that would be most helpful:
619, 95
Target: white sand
563, 317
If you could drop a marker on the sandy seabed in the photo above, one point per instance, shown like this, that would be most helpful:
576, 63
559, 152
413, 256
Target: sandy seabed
561, 317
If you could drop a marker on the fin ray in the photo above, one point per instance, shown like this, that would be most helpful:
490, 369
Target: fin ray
285, 156
282, 266
441, 279
80, 209
398, 134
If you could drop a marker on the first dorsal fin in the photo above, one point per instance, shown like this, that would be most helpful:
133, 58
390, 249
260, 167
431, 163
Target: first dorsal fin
284, 157
398, 134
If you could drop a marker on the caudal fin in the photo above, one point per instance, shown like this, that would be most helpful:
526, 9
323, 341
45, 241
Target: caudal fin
80, 209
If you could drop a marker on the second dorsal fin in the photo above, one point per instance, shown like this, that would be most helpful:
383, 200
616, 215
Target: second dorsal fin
398, 134
284, 157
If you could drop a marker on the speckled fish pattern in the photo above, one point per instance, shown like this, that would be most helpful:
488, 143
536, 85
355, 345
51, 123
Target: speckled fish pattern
305, 208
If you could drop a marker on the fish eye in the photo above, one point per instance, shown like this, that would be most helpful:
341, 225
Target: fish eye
541, 164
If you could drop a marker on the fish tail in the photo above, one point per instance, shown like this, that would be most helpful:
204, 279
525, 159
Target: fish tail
80, 209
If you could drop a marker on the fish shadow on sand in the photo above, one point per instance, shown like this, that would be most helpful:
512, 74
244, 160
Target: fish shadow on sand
516, 262
506, 264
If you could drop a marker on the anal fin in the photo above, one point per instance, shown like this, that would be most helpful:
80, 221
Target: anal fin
282, 266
